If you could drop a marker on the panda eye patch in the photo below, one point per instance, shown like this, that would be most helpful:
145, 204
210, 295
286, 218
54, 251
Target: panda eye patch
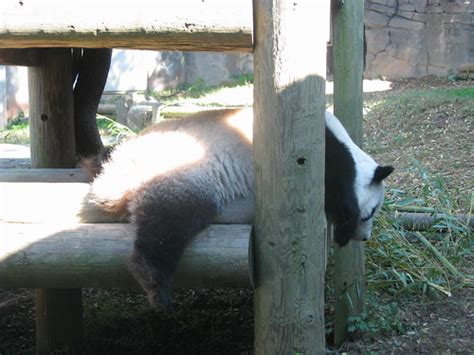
365, 219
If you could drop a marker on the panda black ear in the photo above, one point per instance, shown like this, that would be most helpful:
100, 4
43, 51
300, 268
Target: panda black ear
381, 172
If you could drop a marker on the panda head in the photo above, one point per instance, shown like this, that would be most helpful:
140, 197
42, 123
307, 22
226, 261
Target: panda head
354, 185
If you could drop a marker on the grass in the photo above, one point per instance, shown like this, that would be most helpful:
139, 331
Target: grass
16, 132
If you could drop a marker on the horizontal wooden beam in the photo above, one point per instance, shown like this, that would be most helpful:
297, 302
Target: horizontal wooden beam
210, 25
23, 57
94, 255
424, 221
67, 202
43, 175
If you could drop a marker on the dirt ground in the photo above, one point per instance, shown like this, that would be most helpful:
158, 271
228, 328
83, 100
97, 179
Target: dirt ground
221, 321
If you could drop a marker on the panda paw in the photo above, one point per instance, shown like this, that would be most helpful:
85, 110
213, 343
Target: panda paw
156, 283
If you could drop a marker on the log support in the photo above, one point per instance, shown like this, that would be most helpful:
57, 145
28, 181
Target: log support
73, 256
289, 241
153, 24
348, 39
58, 313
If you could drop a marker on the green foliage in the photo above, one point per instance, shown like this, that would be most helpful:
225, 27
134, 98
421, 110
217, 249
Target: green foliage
380, 318
408, 266
16, 132
400, 260
111, 128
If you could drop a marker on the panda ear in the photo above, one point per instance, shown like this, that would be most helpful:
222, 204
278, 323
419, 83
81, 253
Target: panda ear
381, 172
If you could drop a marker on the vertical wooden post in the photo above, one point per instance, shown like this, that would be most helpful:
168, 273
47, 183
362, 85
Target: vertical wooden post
290, 242
58, 312
348, 44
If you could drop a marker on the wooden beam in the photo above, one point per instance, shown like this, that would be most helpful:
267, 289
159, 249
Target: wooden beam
290, 244
94, 255
348, 44
32, 202
209, 25
22, 57
43, 175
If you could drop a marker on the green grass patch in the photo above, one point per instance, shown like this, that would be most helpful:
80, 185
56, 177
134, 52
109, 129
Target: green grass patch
16, 132
417, 101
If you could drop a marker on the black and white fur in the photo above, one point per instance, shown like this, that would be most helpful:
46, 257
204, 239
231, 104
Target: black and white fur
175, 177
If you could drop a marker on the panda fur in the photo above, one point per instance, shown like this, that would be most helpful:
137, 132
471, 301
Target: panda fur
175, 177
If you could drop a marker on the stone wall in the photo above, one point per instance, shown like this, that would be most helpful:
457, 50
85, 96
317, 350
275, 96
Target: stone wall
415, 38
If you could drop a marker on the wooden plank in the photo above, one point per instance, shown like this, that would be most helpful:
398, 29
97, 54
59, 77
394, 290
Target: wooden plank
210, 25
290, 244
32, 202
23, 57
43, 175
94, 255
349, 274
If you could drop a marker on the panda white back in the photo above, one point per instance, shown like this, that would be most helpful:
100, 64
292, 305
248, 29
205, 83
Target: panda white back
176, 176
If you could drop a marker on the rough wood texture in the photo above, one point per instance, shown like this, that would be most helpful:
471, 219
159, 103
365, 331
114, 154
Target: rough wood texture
58, 314
348, 68
94, 255
66, 202
209, 25
51, 110
23, 57
424, 221
50, 304
43, 175
290, 243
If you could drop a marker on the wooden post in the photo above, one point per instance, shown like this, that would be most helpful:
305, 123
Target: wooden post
290, 244
348, 50
58, 312
51, 111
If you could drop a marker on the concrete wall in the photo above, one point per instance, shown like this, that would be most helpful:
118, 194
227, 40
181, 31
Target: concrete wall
415, 38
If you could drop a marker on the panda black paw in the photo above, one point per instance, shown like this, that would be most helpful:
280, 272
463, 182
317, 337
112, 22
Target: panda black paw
156, 283
160, 297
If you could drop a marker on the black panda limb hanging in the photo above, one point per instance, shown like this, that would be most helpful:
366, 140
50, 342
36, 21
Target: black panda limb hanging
175, 177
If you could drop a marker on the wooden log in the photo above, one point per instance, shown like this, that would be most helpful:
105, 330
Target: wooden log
466, 68
23, 57
67, 202
52, 142
424, 221
209, 25
348, 52
43, 175
59, 323
289, 245
107, 109
94, 255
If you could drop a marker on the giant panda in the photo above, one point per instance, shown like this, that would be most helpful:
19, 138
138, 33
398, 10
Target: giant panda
176, 176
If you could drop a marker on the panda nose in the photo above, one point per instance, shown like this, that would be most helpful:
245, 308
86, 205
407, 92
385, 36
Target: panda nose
365, 239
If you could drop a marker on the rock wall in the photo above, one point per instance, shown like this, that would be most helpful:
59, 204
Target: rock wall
415, 38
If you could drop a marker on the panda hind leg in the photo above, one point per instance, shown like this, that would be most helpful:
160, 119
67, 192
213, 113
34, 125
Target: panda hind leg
164, 223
